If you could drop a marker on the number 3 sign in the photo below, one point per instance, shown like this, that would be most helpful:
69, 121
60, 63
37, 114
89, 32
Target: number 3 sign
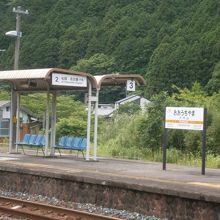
130, 85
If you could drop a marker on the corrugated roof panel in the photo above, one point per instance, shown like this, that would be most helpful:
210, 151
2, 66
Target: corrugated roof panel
23, 74
114, 79
40, 79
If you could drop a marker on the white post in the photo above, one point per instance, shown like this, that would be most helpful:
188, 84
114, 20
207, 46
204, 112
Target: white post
53, 123
18, 121
47, 124
96, 125
10, 147
88, 120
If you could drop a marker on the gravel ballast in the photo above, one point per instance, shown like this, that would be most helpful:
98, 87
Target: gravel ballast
122, 214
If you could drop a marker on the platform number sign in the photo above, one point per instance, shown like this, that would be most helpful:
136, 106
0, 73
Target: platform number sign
60, 79
130, 85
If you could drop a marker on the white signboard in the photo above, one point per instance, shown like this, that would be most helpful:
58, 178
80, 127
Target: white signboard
184, 118
130, 85
69, 80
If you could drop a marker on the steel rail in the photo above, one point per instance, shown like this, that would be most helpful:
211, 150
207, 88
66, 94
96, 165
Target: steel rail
19, 213
44, 207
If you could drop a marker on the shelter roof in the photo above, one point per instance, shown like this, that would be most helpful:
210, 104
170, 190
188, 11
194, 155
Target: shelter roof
118, 79
41, 79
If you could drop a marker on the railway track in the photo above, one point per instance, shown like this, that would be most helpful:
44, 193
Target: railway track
37, 211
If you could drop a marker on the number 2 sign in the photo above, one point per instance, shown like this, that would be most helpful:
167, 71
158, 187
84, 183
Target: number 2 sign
130, 85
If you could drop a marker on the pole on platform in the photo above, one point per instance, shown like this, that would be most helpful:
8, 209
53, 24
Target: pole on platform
204, 141
18, 121
11, 121
17, 34
96, 125
53, 123
165, 137
88, 120
165, 134
47, 124
18, 12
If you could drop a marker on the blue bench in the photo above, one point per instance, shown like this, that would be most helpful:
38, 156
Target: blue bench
33, 140
72, 143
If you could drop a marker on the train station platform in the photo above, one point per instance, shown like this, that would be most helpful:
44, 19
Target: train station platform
177, 182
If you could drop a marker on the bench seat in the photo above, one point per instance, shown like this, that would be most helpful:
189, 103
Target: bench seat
33, 140
72, 143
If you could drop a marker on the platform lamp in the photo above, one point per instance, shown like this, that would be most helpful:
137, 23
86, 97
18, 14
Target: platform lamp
14, 104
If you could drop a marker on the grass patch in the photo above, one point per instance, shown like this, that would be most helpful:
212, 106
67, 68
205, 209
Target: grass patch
173, 156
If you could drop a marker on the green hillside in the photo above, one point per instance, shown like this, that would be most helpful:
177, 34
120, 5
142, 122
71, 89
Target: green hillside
169, 42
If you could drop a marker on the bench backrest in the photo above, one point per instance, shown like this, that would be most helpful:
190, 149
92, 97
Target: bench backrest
38, 139
43, 141
26, 138
32, 139
69, 142
83, 143
76, 142
62, 141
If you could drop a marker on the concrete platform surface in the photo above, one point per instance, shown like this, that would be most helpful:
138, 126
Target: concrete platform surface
182, 181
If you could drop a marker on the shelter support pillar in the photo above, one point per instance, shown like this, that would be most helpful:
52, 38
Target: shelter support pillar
18, 121
88, 120
12, 129
96, 125
53, 123
47, 124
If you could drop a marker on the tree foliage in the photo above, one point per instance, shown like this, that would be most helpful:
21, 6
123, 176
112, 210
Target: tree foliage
168, 42
128, 108
145, 130
175, 45
71, 114
98, 64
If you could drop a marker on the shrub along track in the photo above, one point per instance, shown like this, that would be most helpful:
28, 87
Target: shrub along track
31, 210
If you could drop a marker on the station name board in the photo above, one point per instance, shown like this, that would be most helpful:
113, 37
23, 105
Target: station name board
188, 118
69, 80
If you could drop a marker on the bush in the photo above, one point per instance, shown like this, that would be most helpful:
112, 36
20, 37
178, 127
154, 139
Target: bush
121, 131
71, 127
213, 131
150, 127
143, 131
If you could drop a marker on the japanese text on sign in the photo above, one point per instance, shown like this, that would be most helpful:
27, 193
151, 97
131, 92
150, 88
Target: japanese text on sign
69, 80
184, 118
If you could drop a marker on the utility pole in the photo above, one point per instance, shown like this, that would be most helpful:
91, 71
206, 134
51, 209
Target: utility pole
14, 115
19, 12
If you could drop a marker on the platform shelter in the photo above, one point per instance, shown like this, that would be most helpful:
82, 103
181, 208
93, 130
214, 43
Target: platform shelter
52, 81
111, 80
